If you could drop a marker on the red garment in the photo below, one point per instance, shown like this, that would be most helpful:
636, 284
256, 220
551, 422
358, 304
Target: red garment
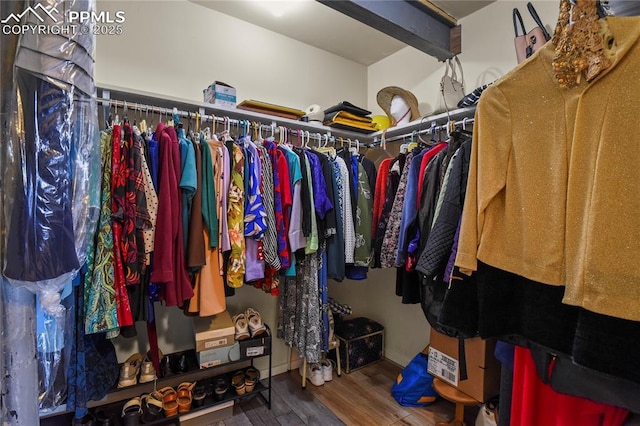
118, 181
423, 166
380, 193
168, 252
535, 403
287, 202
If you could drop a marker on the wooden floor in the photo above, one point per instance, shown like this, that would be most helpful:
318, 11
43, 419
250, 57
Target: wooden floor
362, 397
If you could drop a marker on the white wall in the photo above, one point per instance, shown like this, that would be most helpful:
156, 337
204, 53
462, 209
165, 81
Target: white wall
487, 54
178, 48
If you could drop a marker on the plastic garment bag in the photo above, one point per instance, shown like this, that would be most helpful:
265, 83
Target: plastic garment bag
52, 173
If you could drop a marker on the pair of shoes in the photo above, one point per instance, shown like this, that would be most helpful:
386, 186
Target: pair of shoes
238, 382
221, 387
129, 371
199, 394
256, 326
132, 412
173, 364
251, 378
315, 373
248, 324
152, 409
327, 369
185, 396
169, 401
147, 370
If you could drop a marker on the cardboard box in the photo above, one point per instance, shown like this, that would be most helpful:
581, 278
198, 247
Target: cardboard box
220, 93
213, 332
219, 356
483, 369
258, 346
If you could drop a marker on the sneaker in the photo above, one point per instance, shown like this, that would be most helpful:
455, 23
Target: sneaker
314, 373
327, 369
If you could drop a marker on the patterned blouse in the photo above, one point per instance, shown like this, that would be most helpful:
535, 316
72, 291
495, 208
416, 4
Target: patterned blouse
235, 273
100, 308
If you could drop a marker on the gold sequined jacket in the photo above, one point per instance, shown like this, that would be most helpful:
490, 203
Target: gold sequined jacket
554, 184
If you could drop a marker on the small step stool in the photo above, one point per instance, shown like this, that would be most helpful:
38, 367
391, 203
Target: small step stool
452, 394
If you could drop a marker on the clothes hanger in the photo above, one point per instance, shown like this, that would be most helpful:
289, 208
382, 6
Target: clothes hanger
412, 141
355, 148
308, 136
322, 147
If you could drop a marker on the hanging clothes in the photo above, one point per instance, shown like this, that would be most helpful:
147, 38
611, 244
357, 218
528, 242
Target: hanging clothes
530, 394
195, 226
100, 303
236, 270
385, 212
168, 266
389, 249
118, 193
188, 181
438, 247
348, 229
255, 214
335, 242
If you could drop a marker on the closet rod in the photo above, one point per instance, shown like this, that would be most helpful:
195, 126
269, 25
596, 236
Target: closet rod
144, 108
273, 127
439, 128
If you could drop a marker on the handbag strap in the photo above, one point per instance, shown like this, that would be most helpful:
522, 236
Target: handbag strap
455, 72
538, 21
446, 68
517, 18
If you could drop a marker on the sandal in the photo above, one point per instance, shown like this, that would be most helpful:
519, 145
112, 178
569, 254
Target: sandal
169, 401
238, 382
129, 371
221, 388
151, 407
185, 397
132, 411
252, 377
242, 327
256, 326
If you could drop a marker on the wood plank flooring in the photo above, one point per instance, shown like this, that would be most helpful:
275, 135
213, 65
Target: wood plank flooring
362, 397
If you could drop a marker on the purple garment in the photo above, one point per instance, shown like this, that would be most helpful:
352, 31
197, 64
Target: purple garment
452, 258
354, 176
225, 244
321, 202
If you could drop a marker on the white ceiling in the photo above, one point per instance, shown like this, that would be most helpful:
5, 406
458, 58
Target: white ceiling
318, 25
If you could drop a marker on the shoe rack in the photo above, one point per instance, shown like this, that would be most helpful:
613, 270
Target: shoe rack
250, 349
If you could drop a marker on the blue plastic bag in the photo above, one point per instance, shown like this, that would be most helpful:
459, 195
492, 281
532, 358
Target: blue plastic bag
414, 385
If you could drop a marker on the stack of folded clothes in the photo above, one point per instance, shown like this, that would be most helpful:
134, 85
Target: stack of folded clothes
271, 109
347, 116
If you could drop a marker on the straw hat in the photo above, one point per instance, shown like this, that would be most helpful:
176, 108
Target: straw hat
385, 96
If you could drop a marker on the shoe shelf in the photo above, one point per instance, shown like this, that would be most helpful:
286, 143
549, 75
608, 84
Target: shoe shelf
116, 398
